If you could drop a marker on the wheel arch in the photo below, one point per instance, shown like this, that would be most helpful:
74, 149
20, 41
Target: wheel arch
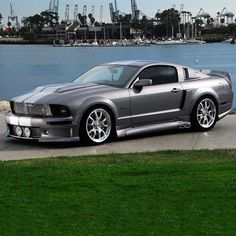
101, 105
93, 103
205, 95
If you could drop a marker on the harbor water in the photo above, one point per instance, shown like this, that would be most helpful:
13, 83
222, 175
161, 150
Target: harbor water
24, 67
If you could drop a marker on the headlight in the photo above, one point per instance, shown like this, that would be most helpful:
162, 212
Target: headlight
59, 110
46, 111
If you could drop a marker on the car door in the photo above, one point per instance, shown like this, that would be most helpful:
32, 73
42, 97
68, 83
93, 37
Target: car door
159, 102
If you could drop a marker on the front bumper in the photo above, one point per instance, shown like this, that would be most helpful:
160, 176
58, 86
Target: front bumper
43, 129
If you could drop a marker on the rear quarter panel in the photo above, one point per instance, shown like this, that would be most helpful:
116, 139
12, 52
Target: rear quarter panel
214, 86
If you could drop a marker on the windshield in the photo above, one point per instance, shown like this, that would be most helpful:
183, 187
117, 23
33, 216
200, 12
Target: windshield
113, 75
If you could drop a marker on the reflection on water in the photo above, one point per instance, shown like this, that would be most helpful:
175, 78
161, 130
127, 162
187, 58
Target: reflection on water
23, 67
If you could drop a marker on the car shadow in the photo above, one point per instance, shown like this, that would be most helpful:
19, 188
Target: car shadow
21, 144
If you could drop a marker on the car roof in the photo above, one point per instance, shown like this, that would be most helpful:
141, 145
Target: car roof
140, 63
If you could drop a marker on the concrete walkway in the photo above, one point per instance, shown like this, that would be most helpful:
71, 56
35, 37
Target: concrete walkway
222, 136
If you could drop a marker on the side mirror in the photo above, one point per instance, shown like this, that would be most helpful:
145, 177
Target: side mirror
143, 82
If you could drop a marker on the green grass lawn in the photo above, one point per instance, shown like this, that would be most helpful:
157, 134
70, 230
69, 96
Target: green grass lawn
162, 193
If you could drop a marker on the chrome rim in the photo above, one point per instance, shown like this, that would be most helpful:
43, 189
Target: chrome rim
98, 125
206, 113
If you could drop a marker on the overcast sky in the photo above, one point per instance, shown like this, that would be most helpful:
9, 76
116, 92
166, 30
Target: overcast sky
149, 7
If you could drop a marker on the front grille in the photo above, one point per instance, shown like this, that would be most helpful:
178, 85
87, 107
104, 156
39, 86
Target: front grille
28, 109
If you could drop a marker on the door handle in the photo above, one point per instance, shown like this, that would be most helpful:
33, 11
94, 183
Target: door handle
175, 90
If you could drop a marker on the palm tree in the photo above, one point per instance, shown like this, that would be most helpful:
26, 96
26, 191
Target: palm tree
144, 23
199, 23
158, 15
125, 19
91, 18
9, 24
222, 21
210, 22
83, 20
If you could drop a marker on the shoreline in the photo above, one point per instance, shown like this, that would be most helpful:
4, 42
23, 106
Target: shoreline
129, 42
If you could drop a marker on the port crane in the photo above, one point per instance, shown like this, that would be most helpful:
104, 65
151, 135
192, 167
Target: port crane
202, 15
13, 18
112, 12
227, 16
93, 10
135, 11
67, 13
54, 6
101, 14
76, 11
116, 9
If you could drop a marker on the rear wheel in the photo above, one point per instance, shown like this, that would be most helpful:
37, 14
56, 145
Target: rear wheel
96, 126
204, 114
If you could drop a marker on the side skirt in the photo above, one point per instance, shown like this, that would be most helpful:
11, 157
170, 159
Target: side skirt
153, 128
223, 115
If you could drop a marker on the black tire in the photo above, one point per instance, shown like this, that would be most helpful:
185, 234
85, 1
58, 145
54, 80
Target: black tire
96, 126
204, 114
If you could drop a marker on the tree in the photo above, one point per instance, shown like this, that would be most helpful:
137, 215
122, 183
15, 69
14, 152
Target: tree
125, 19
96, 24
135, 24
171, 19
1, 18
9, 24
91, 18
210, 22
83, 20
35, 22
199, 23
158, 15
49, 18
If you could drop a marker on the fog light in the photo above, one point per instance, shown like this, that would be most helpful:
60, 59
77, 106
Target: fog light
18, 131
45, 132
27, 132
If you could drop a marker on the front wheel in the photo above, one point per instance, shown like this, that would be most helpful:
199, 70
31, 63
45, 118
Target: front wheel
96, 126
204, 114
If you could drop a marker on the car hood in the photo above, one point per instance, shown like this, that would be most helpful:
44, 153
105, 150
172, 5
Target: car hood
62, 93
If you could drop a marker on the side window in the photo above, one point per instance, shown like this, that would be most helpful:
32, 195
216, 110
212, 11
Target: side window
186, 73
160, 74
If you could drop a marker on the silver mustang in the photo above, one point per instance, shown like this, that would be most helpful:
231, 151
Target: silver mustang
119, 99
